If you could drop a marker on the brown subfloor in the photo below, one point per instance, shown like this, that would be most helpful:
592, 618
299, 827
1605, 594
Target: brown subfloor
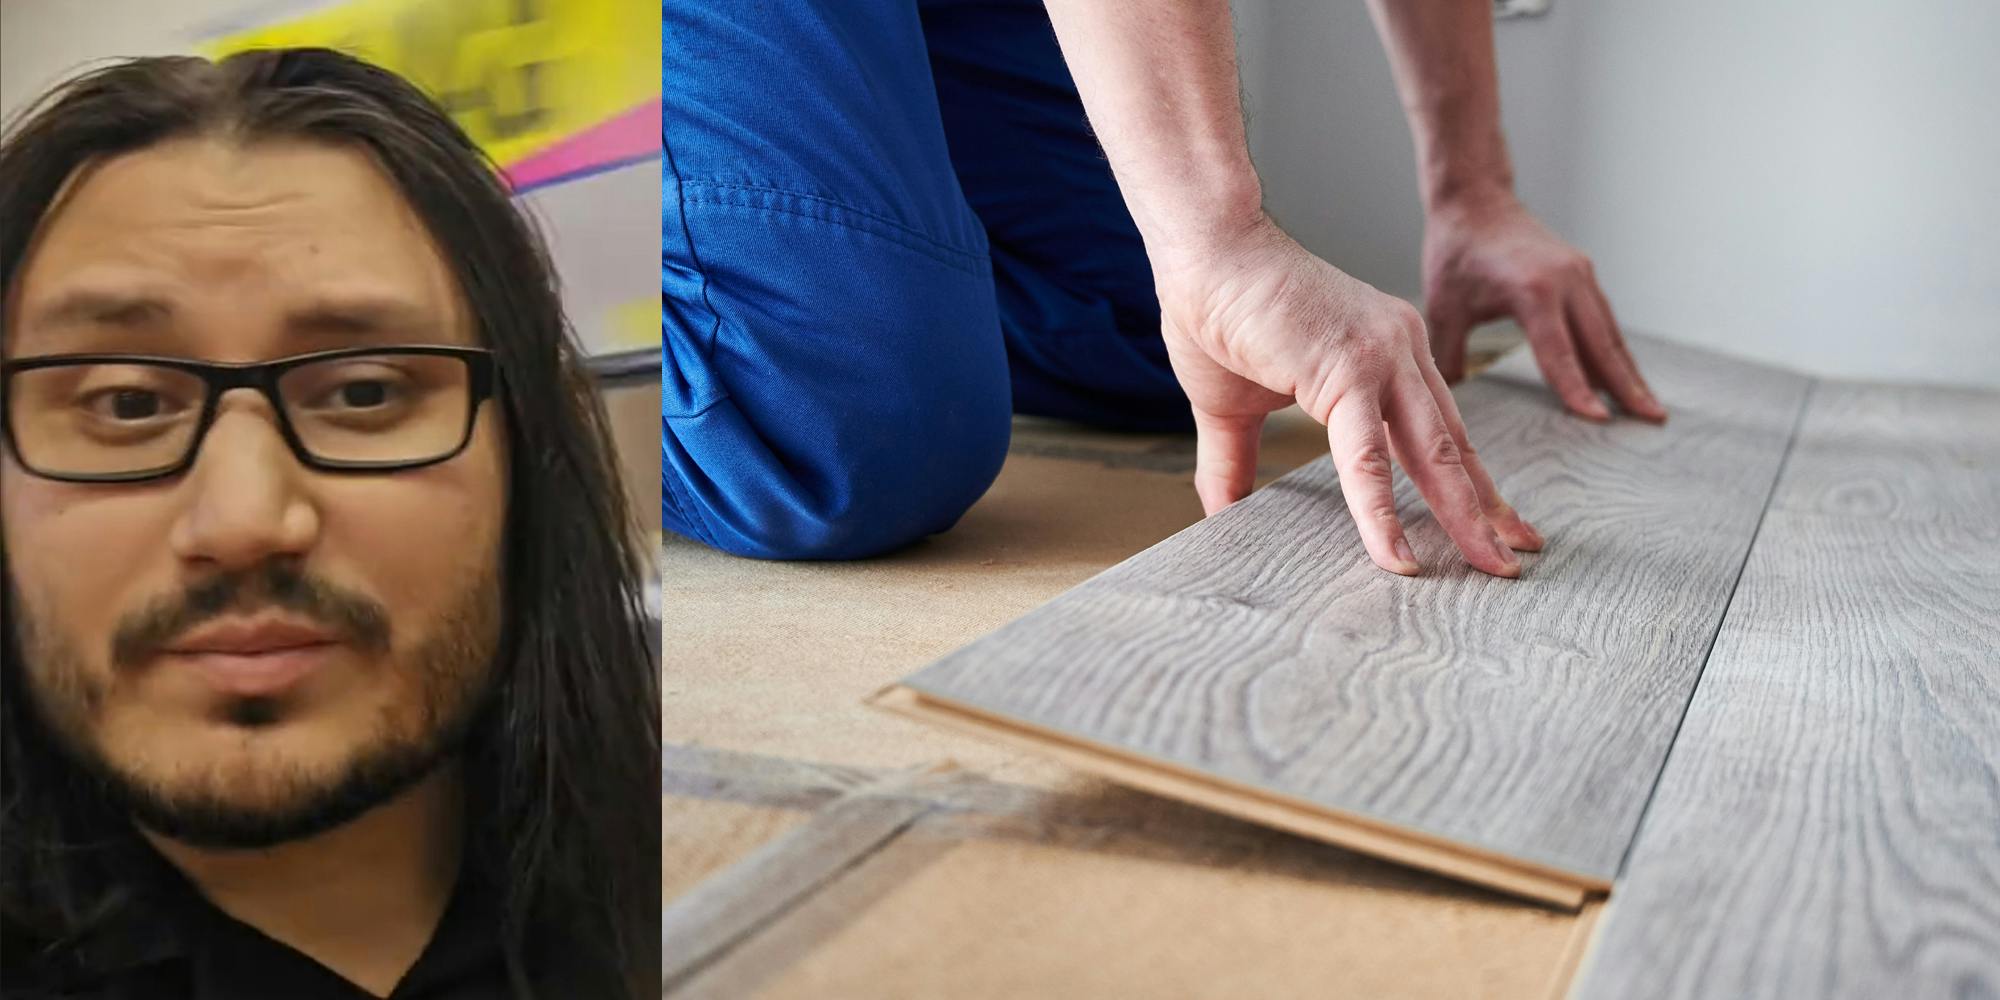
1092, 891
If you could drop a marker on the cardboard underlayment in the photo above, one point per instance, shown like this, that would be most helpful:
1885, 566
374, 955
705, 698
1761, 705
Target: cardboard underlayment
1026, 919
704, 836
986, 889
776, 658
1142, 908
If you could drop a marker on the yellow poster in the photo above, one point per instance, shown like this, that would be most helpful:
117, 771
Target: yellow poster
546, 87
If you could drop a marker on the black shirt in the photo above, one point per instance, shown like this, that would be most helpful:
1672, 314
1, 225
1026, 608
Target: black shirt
170, 943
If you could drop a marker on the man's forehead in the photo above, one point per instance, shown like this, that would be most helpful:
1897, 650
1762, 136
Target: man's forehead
312, 235
234, 177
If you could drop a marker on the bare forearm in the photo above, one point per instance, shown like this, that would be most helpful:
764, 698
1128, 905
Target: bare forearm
1442, 54
1158, 79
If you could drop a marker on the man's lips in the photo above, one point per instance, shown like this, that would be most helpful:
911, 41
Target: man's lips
251, 636
254, 658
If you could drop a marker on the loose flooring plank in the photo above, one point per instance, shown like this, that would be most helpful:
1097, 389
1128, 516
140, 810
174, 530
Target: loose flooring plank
1556, 888
1828, 823
1523, 719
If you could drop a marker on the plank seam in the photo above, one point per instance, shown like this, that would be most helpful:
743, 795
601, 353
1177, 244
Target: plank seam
1708, 653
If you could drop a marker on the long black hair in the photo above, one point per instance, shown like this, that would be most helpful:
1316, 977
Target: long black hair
562, 766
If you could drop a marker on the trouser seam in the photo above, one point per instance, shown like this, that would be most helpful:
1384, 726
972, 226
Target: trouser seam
816, 207
705, 348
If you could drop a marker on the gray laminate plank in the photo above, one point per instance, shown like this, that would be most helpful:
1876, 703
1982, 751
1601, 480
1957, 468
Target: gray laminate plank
1527, 718
1904, 452
1828, 823
695, 771
731, 905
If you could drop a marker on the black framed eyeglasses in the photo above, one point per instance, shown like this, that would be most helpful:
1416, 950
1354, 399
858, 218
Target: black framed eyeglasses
125, 418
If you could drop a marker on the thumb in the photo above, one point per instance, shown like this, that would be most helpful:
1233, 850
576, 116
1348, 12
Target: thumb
1448, 329
1225, 457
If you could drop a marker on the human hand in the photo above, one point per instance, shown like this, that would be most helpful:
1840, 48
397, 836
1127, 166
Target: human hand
1489, 259
1253, 322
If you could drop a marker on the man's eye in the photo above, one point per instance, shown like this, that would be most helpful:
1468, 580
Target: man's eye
363, 395
360, 395
127, 404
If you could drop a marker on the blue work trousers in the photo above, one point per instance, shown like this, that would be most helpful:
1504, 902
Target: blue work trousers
887, 227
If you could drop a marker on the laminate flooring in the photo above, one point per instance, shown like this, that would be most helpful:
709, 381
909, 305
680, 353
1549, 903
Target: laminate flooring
1509, 732
1828, 822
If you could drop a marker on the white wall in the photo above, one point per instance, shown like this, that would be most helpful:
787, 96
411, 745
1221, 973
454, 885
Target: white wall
1807, 183
42, 41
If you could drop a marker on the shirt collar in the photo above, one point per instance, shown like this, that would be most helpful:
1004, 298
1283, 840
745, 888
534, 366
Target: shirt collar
158, 922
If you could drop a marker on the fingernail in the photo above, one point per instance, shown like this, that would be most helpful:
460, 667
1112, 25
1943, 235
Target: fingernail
1506, 510
1402, 550
1507, 558
1533, 533
1596, 411
1654, 411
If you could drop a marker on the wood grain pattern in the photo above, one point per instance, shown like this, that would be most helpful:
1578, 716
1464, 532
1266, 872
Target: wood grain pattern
1522, 718
1908, 453
1828, 823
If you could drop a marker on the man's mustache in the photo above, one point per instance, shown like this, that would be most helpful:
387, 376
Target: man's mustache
356, 620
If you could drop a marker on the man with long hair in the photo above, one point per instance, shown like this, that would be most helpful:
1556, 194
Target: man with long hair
325, 669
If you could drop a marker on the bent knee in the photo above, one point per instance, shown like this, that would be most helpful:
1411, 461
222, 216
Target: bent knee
875, 489
856, 396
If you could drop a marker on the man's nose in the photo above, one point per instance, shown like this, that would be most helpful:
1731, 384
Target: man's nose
246, 494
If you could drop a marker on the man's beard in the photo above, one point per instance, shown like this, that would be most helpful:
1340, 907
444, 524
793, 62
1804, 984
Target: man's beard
451, 671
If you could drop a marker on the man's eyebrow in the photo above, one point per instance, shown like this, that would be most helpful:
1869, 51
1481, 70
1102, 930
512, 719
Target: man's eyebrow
92, 307
354, 314
373, 314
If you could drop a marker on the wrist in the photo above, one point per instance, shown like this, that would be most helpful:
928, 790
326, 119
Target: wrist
1196, 280
1464, 169
1195, 220
1459, 203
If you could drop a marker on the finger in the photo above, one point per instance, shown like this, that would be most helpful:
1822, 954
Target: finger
1425, 447
1612, 368
1555, 353
1658, 411
1367, 481
1508, 522
1449, 329
1225, 457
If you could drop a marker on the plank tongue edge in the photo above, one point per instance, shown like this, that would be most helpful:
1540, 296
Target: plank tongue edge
1554, 887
